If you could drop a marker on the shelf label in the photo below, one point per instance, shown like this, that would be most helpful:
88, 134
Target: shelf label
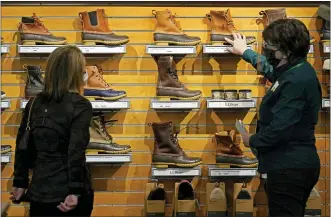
102, 49
5, 104
104, 158
326, 48
110, 105
232, 172
5, 158
37, 49
230, 104
154, 49
176, 172
311, 49
326, 103
175, 105
23, 103
213, 49
4, 49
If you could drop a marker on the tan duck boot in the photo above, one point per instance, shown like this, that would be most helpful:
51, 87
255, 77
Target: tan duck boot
96, 30
228, 153
168, 84
167, 30
34, 32
223, 27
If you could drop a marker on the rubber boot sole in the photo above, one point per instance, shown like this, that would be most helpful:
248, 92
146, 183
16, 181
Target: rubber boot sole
105, 98
6, 151
182, 98
28, 42
191, 43
163, 165
110, 152
229, 165
95, 42
248, 42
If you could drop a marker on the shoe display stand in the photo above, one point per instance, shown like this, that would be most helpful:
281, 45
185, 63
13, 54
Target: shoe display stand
107, 158
99, 105
5, 104
326, 48
174, 104
325, 103
165, 49
176, 172
4, 49
231, 104
6, 158
47, 49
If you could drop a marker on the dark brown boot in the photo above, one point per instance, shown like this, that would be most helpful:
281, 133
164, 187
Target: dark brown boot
33, 32
168, 84
34, 82
96, 30
101, 140
223, 27
185, 191
167, 151
168, 31
229, 153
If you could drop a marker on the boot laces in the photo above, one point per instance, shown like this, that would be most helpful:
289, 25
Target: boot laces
100, 76
174, 137
173, 74
229, 22
173, 19
103, 123
39, 22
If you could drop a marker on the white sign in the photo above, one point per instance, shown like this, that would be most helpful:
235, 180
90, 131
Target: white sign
4, 49
100, 49
24, 103
311, 49
230, 104
232, 172
176, 172
5, 158
175, 105
155, 49
326, 103
37, 48
110, 104
105, 158
5, 104
326, 48
213, 49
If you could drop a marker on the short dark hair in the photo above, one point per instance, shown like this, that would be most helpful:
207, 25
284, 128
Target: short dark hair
64, 72
291, 36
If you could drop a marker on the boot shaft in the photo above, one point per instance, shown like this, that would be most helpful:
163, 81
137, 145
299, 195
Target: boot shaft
95, 21
167, 72
98, 128
95, 78
32, 25
226, 143
35, 77
272, 15
221, 22
166, 23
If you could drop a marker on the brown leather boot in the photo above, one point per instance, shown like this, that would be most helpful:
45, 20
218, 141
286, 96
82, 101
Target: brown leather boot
2, 40
167, 151
168, 84
223, 27
101, 140
34, 82
229, 153
272, 15
168, 31
33, 32
97, 88
96, 30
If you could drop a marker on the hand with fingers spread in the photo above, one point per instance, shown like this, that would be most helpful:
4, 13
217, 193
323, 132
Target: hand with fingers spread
238, 43
69, 203
17, 194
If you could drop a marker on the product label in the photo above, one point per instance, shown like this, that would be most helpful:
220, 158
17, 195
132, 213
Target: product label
185, 214
313, 212
216, 214
159, 214
244, 214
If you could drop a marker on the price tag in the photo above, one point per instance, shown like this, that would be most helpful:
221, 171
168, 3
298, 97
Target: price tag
4, 104
103, 158
37, 48
213, 49
110, 105
232, 172
327, 103
230, 104
152, 49
326, 48
102, 49
23, 103
4, 49
176, 172
5, 158
311, 49
175, 105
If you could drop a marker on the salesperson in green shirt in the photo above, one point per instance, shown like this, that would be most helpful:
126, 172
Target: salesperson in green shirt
285, 137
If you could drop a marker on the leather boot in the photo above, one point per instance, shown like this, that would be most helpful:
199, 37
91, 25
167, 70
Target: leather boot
35, 81
229, 153
185, 191
223, 26
324, 12
97, 88
167, 151
157, 193
101, 140
5, 149
96, 30
2, 40
168, 84
34, 32
168, 31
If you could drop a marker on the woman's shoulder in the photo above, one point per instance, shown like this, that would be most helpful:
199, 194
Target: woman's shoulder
79, 100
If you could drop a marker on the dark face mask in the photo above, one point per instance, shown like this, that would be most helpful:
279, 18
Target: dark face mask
270, 55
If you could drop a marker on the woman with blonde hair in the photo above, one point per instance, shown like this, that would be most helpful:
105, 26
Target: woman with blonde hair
58, 121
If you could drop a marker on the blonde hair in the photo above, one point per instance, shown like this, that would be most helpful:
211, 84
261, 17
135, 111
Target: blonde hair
64, 72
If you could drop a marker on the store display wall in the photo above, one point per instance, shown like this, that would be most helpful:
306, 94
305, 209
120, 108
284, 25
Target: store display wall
120, 188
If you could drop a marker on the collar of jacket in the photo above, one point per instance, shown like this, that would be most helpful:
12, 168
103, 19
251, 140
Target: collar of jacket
281, 71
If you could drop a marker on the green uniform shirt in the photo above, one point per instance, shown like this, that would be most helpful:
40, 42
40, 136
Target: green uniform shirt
288, 113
